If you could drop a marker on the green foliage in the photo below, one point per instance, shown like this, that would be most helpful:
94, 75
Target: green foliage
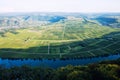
106, 70
68, 38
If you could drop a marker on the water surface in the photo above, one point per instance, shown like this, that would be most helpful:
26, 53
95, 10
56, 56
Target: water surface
54, 63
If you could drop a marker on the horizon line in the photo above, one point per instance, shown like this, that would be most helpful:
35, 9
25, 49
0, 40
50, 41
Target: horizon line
57, 12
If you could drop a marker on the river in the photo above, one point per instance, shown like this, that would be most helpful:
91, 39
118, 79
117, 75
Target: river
7, 63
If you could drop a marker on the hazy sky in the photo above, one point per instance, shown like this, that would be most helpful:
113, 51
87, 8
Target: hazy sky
60, 5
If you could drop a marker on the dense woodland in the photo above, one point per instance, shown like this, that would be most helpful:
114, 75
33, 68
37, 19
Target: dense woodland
106, 70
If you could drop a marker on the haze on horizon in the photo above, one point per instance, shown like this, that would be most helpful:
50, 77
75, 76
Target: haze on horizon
59, 6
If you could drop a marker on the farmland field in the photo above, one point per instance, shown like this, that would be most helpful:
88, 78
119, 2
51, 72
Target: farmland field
70, 37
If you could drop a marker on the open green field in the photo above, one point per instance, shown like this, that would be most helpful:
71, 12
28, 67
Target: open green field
63, 39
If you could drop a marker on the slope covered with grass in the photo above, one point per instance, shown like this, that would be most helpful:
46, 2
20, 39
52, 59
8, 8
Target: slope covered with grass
66, 38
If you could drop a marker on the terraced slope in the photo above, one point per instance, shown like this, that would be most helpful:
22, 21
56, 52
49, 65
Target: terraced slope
74, 38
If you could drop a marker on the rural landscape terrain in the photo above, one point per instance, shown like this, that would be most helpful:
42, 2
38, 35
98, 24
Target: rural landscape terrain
60, 40
59, 35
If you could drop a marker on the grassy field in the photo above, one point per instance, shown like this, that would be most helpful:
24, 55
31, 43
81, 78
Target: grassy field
63, 39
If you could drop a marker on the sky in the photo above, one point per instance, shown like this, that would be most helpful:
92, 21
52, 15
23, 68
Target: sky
59, 6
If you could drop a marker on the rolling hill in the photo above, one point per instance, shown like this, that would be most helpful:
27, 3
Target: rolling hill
58, 36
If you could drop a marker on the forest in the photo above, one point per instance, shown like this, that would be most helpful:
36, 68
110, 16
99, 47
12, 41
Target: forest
105, 70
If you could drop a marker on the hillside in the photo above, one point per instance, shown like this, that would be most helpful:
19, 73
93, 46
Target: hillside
62, 36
